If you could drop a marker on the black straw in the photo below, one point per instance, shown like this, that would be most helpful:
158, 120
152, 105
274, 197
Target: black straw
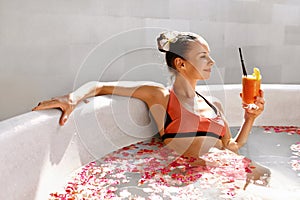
242, 61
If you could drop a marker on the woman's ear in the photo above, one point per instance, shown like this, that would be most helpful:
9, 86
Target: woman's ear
179, 63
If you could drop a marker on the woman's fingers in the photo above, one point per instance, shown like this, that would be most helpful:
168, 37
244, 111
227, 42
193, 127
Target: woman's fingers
46, 105
261, 93
63, 103
49, 104
260, 102
64, 117
250, 107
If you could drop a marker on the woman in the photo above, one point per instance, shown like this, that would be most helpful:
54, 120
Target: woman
187, 122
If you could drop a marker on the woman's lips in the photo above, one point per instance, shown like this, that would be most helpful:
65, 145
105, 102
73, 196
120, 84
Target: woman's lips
207, 70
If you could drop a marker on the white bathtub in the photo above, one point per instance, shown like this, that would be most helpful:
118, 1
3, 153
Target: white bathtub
37, 155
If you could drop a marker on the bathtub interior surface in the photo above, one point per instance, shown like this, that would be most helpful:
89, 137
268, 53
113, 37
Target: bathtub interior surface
264, 147
273, 151
39, 154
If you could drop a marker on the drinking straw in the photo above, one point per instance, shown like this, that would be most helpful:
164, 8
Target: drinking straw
242, 61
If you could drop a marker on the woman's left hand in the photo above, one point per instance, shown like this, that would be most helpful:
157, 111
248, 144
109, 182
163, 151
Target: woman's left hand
254, 110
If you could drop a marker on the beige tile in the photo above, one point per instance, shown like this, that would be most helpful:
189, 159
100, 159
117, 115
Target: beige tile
232, 75
271, 73
191, 9
168, 24
87, 7
242, 12
286, 14
238, 34
213, 32
149, 9
292, 35
35, 60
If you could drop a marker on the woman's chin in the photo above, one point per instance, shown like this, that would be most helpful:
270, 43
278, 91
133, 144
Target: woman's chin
203, 78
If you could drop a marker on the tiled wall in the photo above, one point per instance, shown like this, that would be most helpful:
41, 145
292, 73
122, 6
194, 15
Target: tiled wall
50, 47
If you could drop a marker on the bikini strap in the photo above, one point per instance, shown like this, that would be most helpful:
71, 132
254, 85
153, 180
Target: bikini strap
210, 104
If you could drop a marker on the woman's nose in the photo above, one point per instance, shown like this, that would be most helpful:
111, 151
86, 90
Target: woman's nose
211, 61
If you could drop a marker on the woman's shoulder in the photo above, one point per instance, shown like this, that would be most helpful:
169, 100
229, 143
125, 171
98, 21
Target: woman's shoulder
160, 94
216, 102
156, 93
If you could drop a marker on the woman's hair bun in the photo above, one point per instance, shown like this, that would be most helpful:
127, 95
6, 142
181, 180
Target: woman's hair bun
165, 39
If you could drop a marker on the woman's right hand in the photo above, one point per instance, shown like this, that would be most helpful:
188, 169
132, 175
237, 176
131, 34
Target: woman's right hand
64, 103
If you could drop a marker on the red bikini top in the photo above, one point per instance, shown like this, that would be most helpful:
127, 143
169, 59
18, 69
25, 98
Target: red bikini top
182, 123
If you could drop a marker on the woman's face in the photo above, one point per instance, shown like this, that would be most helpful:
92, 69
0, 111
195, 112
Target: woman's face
198, 61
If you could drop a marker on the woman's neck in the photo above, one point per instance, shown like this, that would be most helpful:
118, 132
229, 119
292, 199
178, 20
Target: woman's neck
184, 87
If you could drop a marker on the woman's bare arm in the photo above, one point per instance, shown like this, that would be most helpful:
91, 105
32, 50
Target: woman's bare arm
250, 115
151, 95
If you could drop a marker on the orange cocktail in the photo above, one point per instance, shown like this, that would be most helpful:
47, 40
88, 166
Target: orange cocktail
251, 87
